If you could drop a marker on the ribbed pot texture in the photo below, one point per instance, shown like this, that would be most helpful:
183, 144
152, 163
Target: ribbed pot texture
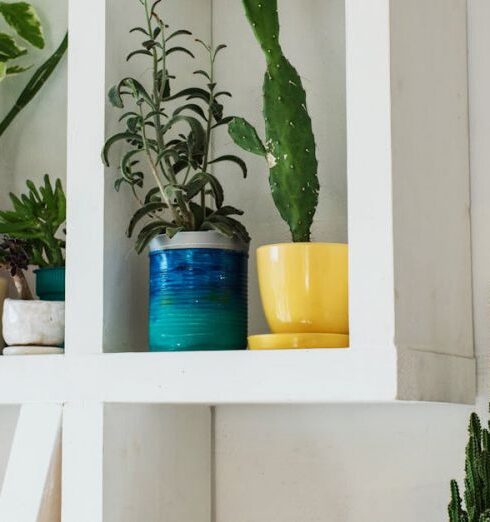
198, 294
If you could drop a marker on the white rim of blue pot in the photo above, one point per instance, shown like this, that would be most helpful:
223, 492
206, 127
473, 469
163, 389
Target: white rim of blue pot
203, 239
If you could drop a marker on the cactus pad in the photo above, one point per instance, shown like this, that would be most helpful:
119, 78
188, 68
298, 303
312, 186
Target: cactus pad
290, 144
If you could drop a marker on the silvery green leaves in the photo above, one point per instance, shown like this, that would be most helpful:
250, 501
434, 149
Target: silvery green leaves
24, 27
289, 147
166, 139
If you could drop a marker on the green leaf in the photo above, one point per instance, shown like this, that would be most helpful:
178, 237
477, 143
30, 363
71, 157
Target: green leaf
145, 211
126, 136
149, 232
199, 182
246, 137
238, 230
232, 159
218, 49
23, 18
191, 107
203, 73
191, 93
3, 70
17, 69
115, 98
9, 50
136, 53
179, 50
179, 33
229, 211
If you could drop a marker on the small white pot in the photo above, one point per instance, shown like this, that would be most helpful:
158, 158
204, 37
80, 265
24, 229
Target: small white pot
40, 323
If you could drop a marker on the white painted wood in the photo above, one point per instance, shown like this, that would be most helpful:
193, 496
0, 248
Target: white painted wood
408, 171
303, 376
157, 463
85, 178
82, 473
369, 174
31, 488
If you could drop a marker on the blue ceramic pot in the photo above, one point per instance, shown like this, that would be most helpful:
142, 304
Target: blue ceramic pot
198, 293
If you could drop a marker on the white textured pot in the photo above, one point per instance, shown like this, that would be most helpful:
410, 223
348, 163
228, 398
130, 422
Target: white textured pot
40, 323
4, 287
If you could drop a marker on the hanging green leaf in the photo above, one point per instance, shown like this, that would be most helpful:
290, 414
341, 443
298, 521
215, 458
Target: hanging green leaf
22, 17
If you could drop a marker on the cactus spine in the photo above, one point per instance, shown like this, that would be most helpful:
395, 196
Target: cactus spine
290, 143
477, 479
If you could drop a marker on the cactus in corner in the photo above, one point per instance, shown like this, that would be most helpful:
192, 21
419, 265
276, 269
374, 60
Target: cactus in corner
290, 144
477, 479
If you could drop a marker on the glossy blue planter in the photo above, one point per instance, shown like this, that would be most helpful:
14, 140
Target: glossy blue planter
198, 293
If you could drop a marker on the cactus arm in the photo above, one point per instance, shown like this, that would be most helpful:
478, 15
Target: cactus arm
290, 142
455, 510
246, 137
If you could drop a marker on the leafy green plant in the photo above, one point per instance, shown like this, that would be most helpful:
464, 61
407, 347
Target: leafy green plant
167, 162
35, 84
289, 147
477, 479
22, 19
38, 219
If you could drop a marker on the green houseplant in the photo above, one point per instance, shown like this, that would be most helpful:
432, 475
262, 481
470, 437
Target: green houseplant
477, 479
167, 165
32, 234
316, 310
23, 26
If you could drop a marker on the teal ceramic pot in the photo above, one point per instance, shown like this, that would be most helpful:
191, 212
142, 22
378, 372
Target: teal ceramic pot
50, 283
198, 293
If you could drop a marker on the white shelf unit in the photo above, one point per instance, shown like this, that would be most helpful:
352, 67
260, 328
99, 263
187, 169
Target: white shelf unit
410, 254
410, 269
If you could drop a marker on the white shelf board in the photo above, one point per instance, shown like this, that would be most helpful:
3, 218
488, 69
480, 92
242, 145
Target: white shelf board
241, 377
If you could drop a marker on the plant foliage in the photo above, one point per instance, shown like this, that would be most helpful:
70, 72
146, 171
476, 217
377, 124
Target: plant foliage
23, 26
36, 223
477, 479
167, 161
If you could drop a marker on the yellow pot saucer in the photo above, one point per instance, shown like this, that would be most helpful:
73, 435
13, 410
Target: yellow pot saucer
288, 341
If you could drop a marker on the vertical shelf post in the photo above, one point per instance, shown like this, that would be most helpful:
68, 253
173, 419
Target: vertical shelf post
85, 177
408, 185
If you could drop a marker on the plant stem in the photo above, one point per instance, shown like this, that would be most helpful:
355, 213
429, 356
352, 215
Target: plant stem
208, 130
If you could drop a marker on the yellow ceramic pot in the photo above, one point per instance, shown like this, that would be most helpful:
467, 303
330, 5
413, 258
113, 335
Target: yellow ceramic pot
304, 287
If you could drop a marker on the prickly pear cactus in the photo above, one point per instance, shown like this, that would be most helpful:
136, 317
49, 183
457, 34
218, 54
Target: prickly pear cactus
290, 143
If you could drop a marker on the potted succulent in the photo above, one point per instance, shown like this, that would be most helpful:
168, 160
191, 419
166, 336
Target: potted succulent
303, 285
22, 20
32, 234
198, 249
